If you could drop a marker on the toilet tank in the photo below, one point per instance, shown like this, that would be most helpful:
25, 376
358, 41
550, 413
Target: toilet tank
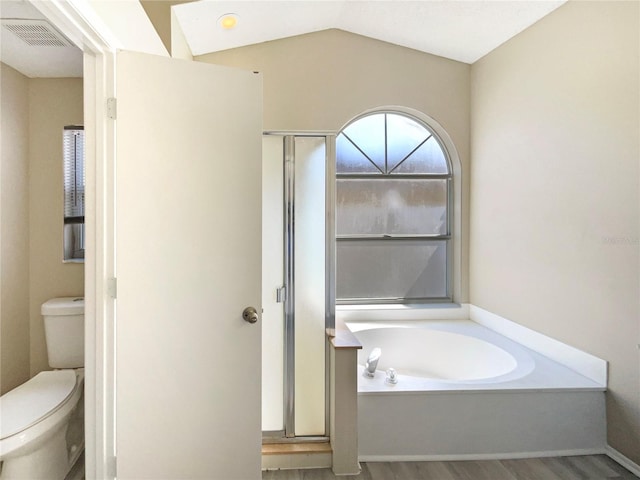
64, 331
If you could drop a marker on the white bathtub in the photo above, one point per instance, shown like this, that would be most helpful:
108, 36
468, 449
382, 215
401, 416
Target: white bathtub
452, 352
466, 392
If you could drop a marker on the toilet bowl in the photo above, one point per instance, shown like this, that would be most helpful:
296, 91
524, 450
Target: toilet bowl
42, 420
41, 426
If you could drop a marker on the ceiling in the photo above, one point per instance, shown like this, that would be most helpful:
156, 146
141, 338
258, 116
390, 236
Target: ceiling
457, 29
460, 30
45, 58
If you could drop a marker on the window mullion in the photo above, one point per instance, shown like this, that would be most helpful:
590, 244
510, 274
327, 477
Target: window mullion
397, 176
386, 147
426, 236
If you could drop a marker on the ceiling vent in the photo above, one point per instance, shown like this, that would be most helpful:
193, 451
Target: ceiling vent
36, 33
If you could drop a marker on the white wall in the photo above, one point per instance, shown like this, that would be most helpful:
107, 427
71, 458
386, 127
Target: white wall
554, 191
14, 229
34, 112
53, 103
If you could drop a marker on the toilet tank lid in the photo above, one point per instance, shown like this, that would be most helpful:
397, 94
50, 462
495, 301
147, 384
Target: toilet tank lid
25, 405
63, 306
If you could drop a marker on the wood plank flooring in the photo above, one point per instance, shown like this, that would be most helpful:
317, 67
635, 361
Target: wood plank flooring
589, 467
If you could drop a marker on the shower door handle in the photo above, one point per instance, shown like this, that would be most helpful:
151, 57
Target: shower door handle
250, 315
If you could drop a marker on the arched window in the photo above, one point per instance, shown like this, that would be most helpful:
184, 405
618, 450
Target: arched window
393, 212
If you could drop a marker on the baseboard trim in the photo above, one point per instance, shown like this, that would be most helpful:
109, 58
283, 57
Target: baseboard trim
623, 460
482, 456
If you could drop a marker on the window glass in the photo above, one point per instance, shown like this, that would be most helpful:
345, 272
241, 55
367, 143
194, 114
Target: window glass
404, 135
393, 194
368, 135
397, 270
74, 186
349, 159
396, 206
428, 158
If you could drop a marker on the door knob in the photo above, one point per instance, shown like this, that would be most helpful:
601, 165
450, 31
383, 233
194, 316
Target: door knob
250, 315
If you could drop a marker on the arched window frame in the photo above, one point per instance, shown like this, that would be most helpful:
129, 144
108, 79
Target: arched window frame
454, 249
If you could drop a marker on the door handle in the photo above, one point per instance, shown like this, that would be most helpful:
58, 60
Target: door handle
281, 294
250, 315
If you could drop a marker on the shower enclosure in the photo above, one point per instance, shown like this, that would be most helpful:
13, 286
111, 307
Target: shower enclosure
298, 295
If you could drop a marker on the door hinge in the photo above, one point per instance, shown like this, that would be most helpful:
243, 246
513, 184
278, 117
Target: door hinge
112, 108
112, 467
112, 287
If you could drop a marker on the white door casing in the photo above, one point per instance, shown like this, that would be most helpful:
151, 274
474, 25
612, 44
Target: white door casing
188, 261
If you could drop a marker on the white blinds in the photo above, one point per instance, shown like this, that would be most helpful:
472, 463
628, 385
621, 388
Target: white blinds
73, 148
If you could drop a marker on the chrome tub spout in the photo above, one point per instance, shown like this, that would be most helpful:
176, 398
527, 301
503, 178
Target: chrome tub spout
372, 362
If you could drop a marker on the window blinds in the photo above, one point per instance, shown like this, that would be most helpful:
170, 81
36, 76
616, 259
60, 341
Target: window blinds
73, 148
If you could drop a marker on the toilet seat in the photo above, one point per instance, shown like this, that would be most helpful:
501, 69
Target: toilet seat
35, 400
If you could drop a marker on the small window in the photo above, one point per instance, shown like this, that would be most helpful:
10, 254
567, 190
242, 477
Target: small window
73, 158
393, 209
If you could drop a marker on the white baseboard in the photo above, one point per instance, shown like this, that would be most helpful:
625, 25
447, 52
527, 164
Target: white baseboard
481, 456
622, 460
584, 363
609, 451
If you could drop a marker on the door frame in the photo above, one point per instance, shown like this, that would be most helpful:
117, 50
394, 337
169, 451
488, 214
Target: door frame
76, 20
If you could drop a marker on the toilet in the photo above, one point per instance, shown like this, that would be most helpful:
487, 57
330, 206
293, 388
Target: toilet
42, 420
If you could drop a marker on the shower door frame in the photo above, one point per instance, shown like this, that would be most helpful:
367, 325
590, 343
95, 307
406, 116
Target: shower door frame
287, 434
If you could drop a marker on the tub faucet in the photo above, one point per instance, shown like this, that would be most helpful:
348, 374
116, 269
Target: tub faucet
372, 362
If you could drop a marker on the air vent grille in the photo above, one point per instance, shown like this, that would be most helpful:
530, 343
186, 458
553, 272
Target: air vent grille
36, 33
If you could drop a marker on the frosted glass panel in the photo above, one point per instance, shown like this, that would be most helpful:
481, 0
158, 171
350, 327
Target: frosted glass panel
309, 285
403, 136
351, 160
368, 134
391, 206
429, 158
391, 269
272, 277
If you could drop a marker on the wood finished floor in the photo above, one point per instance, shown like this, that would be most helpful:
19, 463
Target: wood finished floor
590, 467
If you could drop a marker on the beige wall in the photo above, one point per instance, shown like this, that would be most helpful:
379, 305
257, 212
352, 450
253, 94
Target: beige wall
53, 103
14, 229
554, 191
321, 80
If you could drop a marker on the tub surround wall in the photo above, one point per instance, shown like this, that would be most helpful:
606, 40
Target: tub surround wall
53, 103
14, 229
581, 362
500, 425
320, 81
555, 205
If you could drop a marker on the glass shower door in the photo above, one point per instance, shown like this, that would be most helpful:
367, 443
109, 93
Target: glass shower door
309, 287
294, 272
272, 280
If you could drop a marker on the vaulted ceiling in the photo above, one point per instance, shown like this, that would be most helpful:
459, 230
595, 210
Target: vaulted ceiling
457, 29
460, 30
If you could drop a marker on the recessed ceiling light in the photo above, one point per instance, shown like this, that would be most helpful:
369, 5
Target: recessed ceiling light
228, 21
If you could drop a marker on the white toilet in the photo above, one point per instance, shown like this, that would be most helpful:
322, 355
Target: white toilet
42, 420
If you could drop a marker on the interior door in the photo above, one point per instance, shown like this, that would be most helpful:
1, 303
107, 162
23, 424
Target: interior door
188, 248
